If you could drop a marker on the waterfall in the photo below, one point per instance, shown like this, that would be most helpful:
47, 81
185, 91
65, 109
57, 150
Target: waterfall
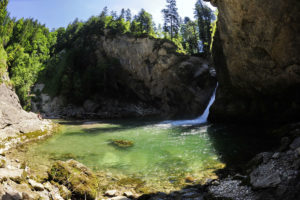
200, 120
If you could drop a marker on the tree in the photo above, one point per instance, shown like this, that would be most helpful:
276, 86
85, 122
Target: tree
6, 24
190, 35
114, 15
122, 14
171, 18
104, 12
28, 50
204, 16
145, 22
128, 15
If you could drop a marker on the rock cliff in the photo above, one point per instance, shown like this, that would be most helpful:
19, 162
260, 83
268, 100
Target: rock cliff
176, 82
14, 121
151, 75
256, 52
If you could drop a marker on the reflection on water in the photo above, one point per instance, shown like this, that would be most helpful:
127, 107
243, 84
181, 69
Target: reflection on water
159, 155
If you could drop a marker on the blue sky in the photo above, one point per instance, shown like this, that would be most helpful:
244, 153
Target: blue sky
57, 13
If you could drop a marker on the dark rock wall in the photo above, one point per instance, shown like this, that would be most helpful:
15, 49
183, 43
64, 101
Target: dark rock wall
257, 57
150, 72
175, 83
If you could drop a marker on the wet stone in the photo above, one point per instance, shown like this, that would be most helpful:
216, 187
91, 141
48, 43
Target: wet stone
128, 194
295, 144
276, 155
111, 193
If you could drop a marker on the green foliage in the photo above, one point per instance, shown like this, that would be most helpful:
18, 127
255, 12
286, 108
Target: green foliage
5, 22
67, 60
213, 30
144, 23
204, 16
3, 66
77, 70
28, 50
190, 35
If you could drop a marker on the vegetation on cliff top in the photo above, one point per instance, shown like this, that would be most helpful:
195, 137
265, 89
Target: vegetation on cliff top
31, 47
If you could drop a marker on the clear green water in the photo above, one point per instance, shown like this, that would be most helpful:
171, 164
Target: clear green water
161, 154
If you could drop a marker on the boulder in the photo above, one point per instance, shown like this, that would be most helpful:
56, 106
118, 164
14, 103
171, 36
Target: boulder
265, 180
14, 174
76, 177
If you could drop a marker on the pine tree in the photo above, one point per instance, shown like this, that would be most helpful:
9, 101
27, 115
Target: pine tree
104, 12
144, 19
122, 14
171, 18
114, 15
190, 35
128, 15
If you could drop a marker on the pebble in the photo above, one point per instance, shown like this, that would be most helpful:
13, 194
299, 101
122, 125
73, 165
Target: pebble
111, 193
128, 194
276, 155
119, 198
189, 179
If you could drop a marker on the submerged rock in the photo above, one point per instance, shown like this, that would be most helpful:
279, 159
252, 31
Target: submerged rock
122, 143
76, 177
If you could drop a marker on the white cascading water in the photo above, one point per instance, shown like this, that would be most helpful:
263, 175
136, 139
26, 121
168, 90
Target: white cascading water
200, 120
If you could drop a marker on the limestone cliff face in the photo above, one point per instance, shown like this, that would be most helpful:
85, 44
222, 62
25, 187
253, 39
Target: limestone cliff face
152, 78
13, 119
257, 57
156, 73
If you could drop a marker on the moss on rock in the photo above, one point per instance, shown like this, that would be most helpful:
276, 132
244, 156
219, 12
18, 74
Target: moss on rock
122, 143
76, 177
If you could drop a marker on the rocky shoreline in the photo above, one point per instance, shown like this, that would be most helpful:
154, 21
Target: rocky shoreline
269, 175
273, 175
